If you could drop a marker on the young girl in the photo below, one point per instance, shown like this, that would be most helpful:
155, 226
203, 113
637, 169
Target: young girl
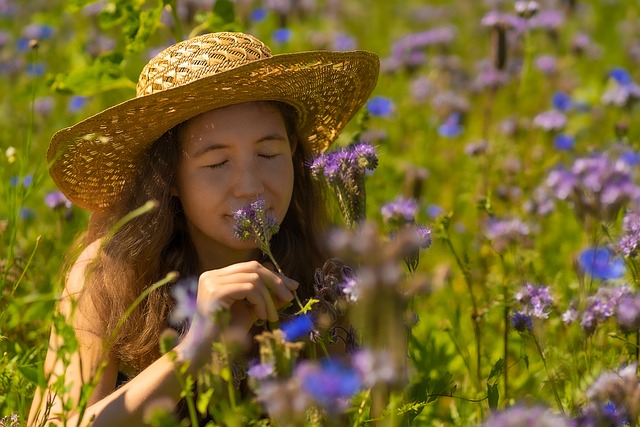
217, 123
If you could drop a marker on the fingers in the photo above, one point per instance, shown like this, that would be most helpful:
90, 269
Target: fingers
264, 290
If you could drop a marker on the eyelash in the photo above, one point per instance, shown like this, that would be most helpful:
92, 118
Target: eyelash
265, 156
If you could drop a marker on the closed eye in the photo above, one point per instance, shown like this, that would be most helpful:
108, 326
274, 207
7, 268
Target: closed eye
217, 165
268, 156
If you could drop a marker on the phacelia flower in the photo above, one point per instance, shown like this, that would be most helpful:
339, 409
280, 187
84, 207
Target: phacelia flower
375, 367
622, 90
56, 200
552, 120
507, 232
520, 415
400, 212
629, 243
185, 294
254, 222
536, 301
344, 171
602, 306
601, 263
628, 312
521, 322
596, 187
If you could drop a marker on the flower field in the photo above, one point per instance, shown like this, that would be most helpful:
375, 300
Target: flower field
495, 261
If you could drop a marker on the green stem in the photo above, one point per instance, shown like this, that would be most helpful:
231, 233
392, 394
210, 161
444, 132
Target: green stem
546, 368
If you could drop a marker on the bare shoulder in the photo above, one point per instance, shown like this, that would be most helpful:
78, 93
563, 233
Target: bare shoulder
75, 283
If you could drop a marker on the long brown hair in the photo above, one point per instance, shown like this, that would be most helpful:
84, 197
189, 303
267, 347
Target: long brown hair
146, 248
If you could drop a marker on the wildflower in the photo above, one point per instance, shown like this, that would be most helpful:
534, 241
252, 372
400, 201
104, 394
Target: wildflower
434, 210
330, 384
379, 106
629, 242
344, 42
622, 90
535, 300
76, 103
549, 20
297, 327
628, 312
547, 64
185, 294
506, 232
602, 306
561, 101
570, 316
282, 35
552, 120
520, 415
564, 142
43, 105
596, 187
261, 371
38, 31
614, 399
285, 401
451, 126
375, 367
400, 212
11, 154
56, 200
253, 222
600, 263
258, 14
344, 170
521, 322
526, 8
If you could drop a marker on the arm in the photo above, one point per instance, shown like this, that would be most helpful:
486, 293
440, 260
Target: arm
248, 290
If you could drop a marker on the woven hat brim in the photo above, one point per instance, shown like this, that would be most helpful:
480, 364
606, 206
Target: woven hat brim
93, 160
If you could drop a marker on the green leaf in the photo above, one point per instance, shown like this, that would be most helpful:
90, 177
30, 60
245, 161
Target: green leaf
307, 306
148, 21
203, 400
493, 395
75, 5
225, 11
497, 369
442, 387
104, 74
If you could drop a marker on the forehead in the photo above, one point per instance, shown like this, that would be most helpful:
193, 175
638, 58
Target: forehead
246, 120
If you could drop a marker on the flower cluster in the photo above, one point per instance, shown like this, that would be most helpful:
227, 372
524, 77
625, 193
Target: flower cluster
599, 308
505, 233
344, 171
629, 242
535, 301
596, 187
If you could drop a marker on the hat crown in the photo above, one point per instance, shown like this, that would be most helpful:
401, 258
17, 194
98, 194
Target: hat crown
200, 56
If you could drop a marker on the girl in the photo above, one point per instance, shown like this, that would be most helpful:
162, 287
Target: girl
217, 123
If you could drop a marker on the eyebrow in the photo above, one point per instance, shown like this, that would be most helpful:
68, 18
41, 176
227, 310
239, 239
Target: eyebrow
214, 146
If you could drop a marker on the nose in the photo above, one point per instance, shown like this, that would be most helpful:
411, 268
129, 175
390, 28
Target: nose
248, 183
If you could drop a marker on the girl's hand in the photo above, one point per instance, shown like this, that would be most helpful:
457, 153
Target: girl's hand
249, 290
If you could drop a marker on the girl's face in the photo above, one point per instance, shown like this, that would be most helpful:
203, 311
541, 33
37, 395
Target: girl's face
230, 157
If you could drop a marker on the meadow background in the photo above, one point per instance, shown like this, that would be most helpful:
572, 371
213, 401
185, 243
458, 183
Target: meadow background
512, 126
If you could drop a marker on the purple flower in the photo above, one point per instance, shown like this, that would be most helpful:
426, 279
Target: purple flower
261, 371
600, 263
344, 170
76, 103
596, 187
628, 312
379, 106
258, 14
547, 64
602, 306
400, 212
344, 42
297, 327
375, 367
38, 31
434, 210
330, 384
552, 120
629, 243
253, 222
506, 232
535, 300
185, 294
520, 415
56, 200
451, 126
521, 322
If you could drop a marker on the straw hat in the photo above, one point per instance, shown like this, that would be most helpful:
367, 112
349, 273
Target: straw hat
93, 160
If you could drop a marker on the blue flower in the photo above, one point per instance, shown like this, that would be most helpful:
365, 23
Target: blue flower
330, 384
76, 103
258, 14
521, 322
564, 142
600, 263
379, 106
36, 69
434, 210
282, 35
297, 327
621, 76
632, 158
561, 101
451, 127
